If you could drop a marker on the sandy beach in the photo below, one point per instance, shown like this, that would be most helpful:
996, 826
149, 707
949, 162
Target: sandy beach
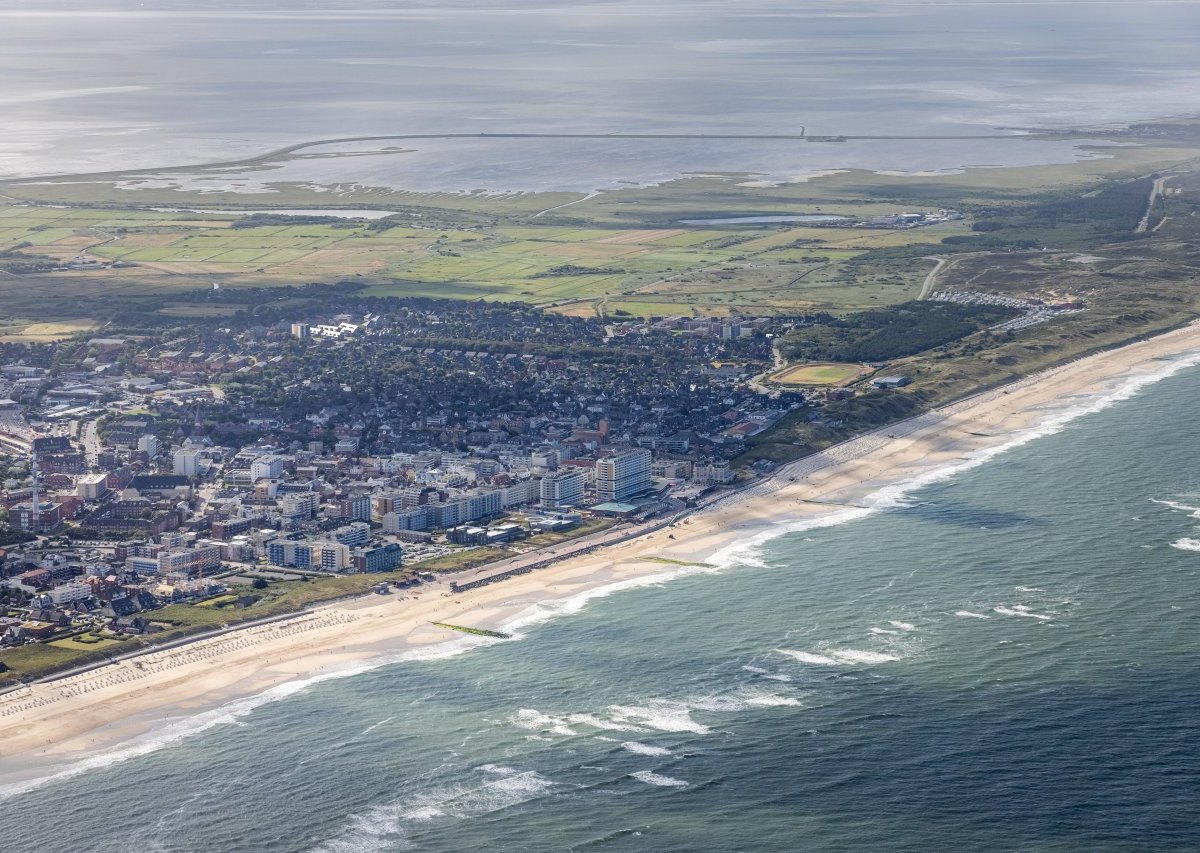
132, 706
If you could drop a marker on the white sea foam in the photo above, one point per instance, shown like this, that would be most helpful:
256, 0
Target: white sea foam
383, 827
767, 674
1194, 511
660, 715
1028, 589
971, 615
771, 700
1186, 544
658, 780
423, 813
747, 551
599, 723
536, 721
545, 611
833, 657
903, 626
645, 748
232, 712
1021, 610
497, 769
860, 656
884, 632
808, 657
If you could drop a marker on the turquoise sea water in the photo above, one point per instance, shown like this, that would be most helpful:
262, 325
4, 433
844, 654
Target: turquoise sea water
1005, 660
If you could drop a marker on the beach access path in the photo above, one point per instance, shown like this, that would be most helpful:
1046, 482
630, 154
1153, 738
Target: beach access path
58, 723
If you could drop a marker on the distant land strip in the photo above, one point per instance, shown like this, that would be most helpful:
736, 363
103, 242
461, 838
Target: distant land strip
280, 153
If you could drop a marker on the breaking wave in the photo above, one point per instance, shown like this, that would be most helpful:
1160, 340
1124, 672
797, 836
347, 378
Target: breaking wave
657, 779
645, 749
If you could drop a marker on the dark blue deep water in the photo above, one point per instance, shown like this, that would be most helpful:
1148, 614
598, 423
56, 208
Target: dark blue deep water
1005, 661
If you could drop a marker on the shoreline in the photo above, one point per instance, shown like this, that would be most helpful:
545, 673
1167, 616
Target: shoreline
87, 720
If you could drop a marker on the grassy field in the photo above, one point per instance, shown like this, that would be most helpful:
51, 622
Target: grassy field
76, 645
582, 271
816, 374
621, 252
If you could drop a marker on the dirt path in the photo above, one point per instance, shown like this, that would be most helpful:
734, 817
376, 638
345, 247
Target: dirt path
1156, 192
931, 279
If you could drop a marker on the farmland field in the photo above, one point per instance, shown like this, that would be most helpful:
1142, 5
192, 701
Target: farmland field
140, 258
621, 253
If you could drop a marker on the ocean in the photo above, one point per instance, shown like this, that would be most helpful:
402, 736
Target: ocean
1000, 657
89, 85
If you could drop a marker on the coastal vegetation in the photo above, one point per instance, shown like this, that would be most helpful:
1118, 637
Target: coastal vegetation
884, 334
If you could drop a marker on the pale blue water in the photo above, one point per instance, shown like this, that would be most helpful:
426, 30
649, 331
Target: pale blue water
1006, 661
120, 84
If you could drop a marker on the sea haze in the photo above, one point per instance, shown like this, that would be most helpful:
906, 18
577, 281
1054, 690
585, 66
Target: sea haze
117, 84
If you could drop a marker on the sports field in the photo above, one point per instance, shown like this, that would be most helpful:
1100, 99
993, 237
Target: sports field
829, 373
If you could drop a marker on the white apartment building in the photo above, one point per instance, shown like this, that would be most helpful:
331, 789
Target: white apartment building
624, 475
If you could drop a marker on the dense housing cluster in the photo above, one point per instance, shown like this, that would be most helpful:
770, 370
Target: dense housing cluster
354, 441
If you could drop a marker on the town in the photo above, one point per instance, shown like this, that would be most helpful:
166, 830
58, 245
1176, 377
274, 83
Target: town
215, 463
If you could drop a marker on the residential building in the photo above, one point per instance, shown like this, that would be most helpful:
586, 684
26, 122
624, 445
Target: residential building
405, 520
268, 467
357, 507
385, 558
92, 487
148, 444
563, 488
624, 475
186, 462
355, 535
324, 556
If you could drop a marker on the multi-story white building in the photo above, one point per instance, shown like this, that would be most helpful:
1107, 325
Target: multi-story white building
355, 535
148, 444
92, 487
325, 556
268, 467
408, 519
301, 504
624, 475
515, 494
186, 461
205, 557
69, 592
563, 488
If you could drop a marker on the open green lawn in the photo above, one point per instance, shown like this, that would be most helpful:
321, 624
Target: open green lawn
816, 374
75, 644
